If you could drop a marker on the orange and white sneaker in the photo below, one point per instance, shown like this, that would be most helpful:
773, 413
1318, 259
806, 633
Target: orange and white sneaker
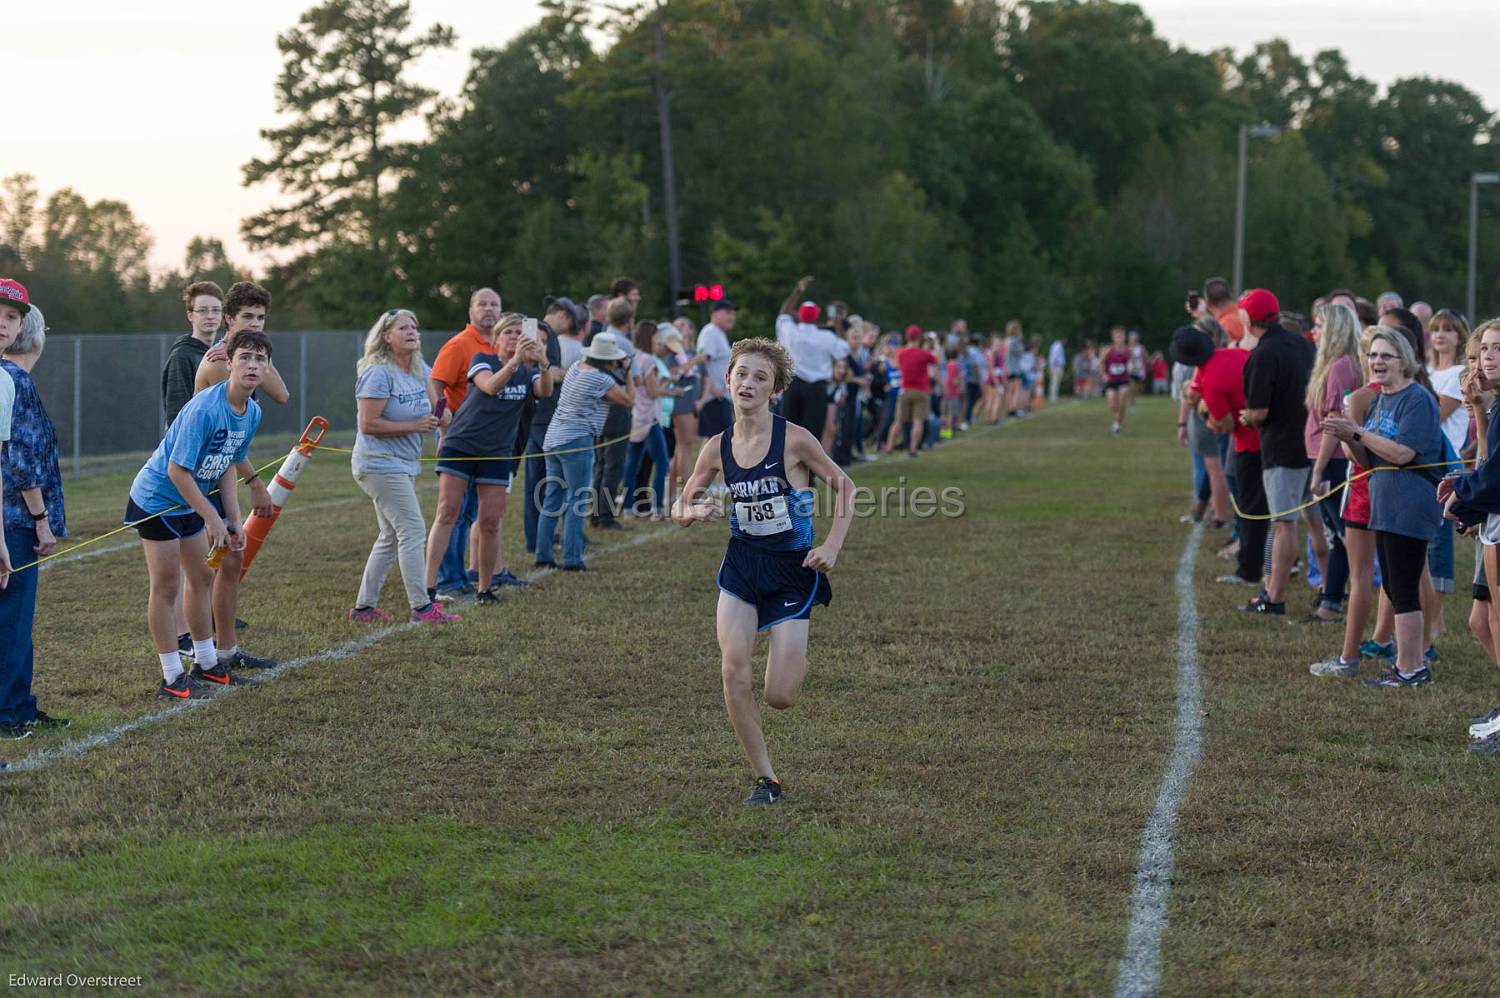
434, 614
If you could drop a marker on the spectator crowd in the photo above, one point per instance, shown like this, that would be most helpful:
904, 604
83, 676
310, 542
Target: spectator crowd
599, 411
1359, 446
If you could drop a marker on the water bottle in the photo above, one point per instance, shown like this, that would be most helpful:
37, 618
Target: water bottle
216, 555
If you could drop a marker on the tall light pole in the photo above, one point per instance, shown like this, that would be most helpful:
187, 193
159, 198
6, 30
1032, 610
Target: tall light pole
668, 167
1247, 132
1474, 181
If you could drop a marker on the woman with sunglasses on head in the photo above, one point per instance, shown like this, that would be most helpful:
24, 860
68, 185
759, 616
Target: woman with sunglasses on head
394, 418
1401, 429
479, 445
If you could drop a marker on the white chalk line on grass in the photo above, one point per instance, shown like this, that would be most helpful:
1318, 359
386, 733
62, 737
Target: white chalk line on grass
78, 746
1140, 968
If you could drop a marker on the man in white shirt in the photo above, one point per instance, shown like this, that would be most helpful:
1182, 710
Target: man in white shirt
1057, 361
716, 413
813, 352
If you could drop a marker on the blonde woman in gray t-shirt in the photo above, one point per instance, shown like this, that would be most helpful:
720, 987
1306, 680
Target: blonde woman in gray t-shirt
394, 418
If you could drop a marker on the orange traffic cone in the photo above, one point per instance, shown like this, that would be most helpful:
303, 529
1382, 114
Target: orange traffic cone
257, 527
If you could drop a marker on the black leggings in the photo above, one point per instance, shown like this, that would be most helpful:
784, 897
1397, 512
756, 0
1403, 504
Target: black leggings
1402, 559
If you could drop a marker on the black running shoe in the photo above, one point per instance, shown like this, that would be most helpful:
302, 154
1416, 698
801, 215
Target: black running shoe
239, 660
46, 722
218, 675
486, 597
547, 564
507, 578
182, 688
185, 645
580, 567
767, 791
240, 625
1263, 606
15, 732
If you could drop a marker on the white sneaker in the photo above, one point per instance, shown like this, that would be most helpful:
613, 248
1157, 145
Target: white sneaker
1334, 667
1484, 728
1114, 428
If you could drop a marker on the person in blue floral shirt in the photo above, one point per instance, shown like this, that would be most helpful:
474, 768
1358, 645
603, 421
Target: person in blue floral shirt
33, 511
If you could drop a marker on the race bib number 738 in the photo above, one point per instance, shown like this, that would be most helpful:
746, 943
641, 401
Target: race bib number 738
764, 516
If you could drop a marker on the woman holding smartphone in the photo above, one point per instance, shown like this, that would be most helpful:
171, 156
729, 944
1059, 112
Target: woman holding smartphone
480, 444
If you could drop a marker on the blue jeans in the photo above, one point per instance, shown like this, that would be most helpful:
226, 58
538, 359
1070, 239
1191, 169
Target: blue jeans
1439, 558
566, 498
656, 444
451, 573
887, 416
1225, 442
1201, 487
17, 616
1337, 578
536, 472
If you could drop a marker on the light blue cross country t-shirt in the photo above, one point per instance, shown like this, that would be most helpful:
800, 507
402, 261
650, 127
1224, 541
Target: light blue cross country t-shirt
207, 437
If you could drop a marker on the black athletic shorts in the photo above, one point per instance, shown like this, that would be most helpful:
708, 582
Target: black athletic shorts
175, 526
774, 582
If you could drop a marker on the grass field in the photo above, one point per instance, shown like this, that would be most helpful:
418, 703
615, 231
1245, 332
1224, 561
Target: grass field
545, 797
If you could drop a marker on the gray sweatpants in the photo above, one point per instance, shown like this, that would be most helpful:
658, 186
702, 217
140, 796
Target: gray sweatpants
403, 538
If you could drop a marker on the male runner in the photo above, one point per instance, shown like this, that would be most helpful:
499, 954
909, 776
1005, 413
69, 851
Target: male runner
1116, 367
772, 574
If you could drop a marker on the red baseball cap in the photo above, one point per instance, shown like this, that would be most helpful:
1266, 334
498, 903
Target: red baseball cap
14, 293
913, 332
808, 312
1260, 305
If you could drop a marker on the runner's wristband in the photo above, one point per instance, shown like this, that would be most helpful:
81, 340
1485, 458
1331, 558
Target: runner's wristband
253, 478
38, 517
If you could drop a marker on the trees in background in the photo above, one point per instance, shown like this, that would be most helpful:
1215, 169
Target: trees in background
1055, 161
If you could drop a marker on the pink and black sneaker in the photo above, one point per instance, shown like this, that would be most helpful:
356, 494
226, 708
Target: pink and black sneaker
432, 613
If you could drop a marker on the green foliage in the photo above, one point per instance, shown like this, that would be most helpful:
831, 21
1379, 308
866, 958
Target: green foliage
342, 84
1056, 162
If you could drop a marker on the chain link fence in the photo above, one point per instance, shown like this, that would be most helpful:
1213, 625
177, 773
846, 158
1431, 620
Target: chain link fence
103, 392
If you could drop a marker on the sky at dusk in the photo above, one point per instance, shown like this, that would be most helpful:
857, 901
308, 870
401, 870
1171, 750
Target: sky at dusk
160, 104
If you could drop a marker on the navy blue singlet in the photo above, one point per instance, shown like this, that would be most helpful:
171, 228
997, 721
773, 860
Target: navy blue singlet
765, 511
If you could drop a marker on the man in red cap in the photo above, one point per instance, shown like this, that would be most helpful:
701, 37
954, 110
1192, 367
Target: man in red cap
813, 352
915, 401
1276, 378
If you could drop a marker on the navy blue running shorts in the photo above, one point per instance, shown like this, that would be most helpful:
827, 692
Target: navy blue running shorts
774, 582
175, 526
480, 471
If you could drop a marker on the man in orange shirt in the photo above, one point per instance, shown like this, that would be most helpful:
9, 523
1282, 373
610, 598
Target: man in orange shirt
1222, 306
449, 378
